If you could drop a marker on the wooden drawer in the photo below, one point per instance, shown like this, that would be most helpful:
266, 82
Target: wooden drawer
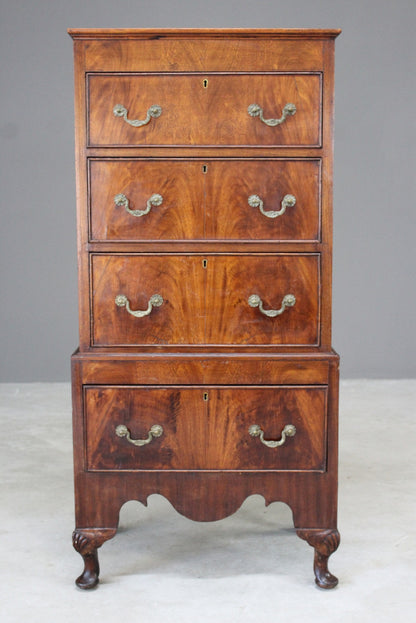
213, 199
205, 299
195, 115
205, 428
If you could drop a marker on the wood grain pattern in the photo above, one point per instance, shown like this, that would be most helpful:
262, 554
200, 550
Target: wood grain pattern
231, 411
106, 368
229, 184
204, 199
180, 216
194, 115
196, 51
206, 434
205, 305
232, 279
180, 280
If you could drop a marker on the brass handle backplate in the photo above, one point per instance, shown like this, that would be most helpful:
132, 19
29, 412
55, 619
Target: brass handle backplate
122, 201
153, 113
155, 431
288, 201
256, 431
156, 300
254, 110
255, 301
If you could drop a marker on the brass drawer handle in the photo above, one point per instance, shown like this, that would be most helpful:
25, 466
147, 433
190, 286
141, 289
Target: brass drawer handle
122, 201
155, 300
155, 431
288, 431
288, 201
153, 113
255, 301
254, 110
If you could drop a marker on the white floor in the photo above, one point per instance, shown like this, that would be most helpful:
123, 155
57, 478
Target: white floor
163, 568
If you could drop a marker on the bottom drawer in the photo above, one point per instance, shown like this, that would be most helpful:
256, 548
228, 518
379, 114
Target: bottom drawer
205, 428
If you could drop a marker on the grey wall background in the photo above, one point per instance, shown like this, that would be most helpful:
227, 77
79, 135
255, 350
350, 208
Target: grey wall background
375, 222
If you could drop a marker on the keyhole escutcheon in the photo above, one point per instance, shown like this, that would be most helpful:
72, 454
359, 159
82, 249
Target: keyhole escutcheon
205, 83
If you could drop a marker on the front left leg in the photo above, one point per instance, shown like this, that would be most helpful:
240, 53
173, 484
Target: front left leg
325, 542
86, 541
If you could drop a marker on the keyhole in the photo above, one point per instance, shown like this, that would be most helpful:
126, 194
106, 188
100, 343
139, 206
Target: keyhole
205, 396
205, 83
204, 263
204, 168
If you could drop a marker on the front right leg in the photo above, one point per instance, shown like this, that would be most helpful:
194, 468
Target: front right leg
325, 543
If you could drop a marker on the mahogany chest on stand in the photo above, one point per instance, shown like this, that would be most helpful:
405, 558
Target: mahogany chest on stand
205, 371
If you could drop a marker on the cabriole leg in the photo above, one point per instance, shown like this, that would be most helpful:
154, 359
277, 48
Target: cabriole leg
325, 543
86, 542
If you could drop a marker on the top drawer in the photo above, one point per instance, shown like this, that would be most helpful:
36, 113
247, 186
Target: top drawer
202, 110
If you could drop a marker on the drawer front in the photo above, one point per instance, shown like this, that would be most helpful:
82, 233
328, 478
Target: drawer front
192, 114
206, 428
275, 199
263, 200
205, 300
162, 200
178, 320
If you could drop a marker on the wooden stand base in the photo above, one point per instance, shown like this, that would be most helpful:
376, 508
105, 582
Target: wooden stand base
107, 389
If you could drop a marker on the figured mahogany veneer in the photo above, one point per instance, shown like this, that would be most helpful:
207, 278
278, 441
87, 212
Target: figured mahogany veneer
230, 183
195, 115
205, 199
189, 379
205, 304
205, 427
180, 215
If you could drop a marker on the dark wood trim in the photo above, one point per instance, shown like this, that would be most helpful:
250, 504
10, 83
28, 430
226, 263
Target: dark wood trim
151, 33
